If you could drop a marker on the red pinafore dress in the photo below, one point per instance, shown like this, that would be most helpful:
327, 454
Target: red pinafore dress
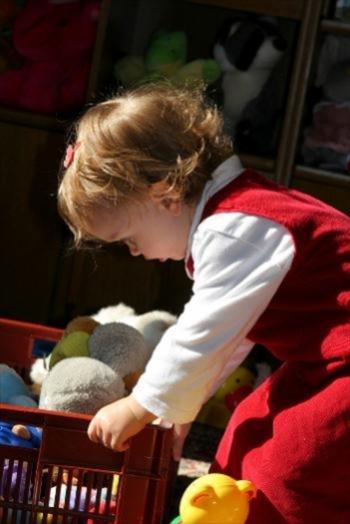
291, 436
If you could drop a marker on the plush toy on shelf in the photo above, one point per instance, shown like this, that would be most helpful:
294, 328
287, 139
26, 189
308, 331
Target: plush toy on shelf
54, 40
327, 138
247, 50
216, 498
166, 58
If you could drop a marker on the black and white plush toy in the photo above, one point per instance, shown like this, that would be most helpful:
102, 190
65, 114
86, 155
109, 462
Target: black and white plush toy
247, 50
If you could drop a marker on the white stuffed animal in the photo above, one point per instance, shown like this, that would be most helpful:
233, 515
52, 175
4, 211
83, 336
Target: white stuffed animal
151, 325
247, 49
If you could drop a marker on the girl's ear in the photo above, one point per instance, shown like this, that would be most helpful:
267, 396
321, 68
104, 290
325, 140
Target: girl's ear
165, 199
171, 204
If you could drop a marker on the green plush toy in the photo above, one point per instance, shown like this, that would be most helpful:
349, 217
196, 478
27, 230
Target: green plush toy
165, 59
75, 344
167, 52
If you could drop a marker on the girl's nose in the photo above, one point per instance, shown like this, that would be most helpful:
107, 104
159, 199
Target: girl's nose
134, 251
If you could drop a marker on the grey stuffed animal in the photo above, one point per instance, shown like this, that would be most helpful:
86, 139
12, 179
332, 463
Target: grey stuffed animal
80, 385
119, 346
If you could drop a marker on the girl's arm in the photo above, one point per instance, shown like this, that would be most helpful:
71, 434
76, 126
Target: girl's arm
240, 261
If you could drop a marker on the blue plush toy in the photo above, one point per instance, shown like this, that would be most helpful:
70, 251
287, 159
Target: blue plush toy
13, 390
18, 435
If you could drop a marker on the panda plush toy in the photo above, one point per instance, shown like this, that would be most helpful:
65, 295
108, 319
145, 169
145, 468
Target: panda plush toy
247, 51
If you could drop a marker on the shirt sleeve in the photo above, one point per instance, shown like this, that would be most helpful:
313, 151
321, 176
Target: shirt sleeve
239, 262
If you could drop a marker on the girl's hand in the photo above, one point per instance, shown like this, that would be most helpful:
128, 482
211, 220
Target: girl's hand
115, 423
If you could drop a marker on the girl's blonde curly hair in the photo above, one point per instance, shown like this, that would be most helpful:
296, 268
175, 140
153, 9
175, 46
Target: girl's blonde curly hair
154, 133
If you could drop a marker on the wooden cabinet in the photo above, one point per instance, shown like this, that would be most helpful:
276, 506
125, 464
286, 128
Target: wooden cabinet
32, 234
41, 278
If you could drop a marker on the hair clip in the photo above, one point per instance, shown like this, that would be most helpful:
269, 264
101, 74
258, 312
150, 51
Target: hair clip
70, 152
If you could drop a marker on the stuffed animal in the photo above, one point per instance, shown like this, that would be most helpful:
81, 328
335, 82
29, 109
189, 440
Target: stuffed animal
80, 385
327, 139
116, 356
55, 41
19, 435
122, 348
75, 344
247, 50
150, 325
72, 344
165, 58
219, 408
13, 390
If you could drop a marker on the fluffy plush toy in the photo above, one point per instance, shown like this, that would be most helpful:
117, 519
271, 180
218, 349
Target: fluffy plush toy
13, 390
116, 355
152, 325
19, 435
122, 348
327, 139
219, 408
72, 344
247, 50
75, 344
80, 385
165, 58
55, 41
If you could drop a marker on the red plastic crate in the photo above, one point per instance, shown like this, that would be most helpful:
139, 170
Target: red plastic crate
68, 477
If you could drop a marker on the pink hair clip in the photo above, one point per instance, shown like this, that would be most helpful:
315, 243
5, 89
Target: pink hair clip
70, 152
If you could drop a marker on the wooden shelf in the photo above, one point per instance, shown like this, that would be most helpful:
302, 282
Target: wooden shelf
319, 175
34, 120
293, 9
261, 164
335, 27
98, 48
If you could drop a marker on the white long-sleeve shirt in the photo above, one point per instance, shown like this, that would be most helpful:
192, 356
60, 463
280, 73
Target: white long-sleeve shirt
239, 262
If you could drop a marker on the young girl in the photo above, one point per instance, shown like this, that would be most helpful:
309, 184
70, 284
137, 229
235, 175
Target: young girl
153, 168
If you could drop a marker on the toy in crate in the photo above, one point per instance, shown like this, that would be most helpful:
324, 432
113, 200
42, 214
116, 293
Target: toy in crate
63, 477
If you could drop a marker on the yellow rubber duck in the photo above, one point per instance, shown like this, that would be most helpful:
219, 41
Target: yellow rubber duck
216, 499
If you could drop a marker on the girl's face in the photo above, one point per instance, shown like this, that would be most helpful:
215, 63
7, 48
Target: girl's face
157, 229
